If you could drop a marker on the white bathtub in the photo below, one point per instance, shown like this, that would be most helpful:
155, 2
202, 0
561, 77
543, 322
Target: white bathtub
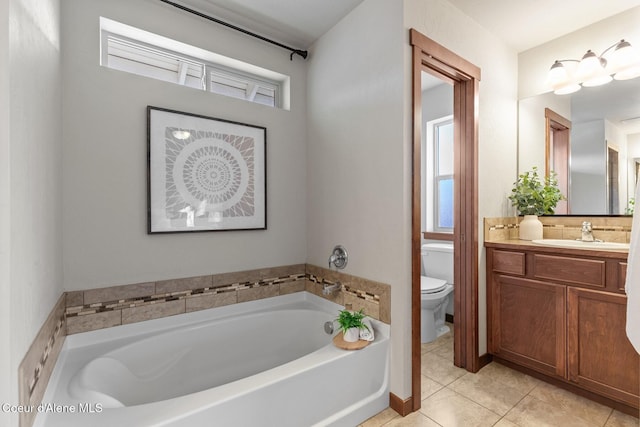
261, 363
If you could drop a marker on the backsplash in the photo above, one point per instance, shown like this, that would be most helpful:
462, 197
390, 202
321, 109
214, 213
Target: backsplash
608, 229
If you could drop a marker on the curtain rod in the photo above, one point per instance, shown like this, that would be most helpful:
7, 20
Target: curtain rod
302, 53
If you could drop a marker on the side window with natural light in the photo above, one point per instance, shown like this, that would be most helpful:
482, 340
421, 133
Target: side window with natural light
440, 173
139, 52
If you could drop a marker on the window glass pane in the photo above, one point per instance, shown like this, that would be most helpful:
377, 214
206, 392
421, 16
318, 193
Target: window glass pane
444, 148
445, 203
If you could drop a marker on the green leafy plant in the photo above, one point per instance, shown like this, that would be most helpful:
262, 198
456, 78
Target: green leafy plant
533, 196
631, 206
351, 319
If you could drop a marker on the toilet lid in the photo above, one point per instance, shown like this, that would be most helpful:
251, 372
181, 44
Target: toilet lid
429, 285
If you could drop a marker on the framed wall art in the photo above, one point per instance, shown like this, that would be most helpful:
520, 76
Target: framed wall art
204, 173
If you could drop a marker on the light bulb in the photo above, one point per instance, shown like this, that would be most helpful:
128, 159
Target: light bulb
589, 67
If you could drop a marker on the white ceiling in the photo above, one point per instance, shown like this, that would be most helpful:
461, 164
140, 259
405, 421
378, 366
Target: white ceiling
522, 24
295, 22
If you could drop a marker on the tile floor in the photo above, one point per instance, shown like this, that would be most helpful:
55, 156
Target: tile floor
495, 396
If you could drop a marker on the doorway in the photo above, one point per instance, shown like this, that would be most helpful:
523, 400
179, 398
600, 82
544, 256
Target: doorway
430, 57
557, 154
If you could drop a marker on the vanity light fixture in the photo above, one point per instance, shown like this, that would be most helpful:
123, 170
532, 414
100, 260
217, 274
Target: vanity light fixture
570, 75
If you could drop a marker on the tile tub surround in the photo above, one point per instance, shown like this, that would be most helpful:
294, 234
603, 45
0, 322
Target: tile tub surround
374, 298
37, 365
609, 229
118, 305
83, 311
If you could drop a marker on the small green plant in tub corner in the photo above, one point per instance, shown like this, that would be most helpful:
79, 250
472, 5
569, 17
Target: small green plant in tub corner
351, 319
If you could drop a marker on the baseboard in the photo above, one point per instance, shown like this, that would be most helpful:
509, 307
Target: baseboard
402, 407
484, 360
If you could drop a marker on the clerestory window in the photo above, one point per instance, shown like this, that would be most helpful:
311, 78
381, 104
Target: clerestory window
139, 52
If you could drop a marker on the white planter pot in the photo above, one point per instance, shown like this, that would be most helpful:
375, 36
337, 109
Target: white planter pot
352, 335
530, 228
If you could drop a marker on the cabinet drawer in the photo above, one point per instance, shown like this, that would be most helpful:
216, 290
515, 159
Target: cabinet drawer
577, 271
508, 262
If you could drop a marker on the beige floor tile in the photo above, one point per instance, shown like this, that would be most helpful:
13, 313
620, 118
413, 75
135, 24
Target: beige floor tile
414, 419
618, 419
505, 423
381, 418
439, 342
532, 412
445, 350
517, 380
428, 387
440, 369
449, 409
582, 408
488, 391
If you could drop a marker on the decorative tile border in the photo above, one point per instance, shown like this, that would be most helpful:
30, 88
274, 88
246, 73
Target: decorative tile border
374, 298
38, 363
121, 305
610, 229
83, 311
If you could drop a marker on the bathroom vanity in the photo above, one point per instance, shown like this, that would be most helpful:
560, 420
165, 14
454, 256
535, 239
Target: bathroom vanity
561, 312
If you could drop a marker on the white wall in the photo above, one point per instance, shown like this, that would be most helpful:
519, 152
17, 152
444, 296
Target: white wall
497, 156
30, 179
105, 200
358, 181
6, 388
360, 145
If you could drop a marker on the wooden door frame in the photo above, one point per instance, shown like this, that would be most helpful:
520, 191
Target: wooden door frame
441, 62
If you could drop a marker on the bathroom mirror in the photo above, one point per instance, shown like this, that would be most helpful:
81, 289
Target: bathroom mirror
604, 144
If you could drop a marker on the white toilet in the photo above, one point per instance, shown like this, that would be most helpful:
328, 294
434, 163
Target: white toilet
436, 284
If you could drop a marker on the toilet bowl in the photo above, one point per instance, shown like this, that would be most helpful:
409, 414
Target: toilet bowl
436, 289
434, 297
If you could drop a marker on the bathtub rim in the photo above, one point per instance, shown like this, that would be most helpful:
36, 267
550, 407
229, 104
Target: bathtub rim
123, 334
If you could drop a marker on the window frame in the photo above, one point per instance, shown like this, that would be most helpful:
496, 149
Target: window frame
433, 182
257, 86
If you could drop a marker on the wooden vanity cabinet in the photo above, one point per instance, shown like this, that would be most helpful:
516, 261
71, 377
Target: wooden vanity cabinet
562, 313
601, 358
528, 323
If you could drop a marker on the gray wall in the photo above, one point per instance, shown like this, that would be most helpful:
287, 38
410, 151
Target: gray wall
30, 180
588, 168
105, 210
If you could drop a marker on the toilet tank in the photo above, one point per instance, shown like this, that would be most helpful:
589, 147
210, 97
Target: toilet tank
437, 261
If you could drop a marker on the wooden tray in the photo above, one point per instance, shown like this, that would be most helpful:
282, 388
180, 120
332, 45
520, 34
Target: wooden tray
339, 342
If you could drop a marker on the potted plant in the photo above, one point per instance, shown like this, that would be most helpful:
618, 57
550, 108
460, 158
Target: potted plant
534, 197
351, 323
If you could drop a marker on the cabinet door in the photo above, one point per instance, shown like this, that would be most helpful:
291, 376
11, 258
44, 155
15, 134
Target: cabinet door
528, 323
601, 358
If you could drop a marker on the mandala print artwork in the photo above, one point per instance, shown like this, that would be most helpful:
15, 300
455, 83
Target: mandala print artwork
211, 174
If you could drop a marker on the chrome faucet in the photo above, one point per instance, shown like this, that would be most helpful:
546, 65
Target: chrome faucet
587, 233
330, 289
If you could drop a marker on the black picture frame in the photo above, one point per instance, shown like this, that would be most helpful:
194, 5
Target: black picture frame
204, 173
